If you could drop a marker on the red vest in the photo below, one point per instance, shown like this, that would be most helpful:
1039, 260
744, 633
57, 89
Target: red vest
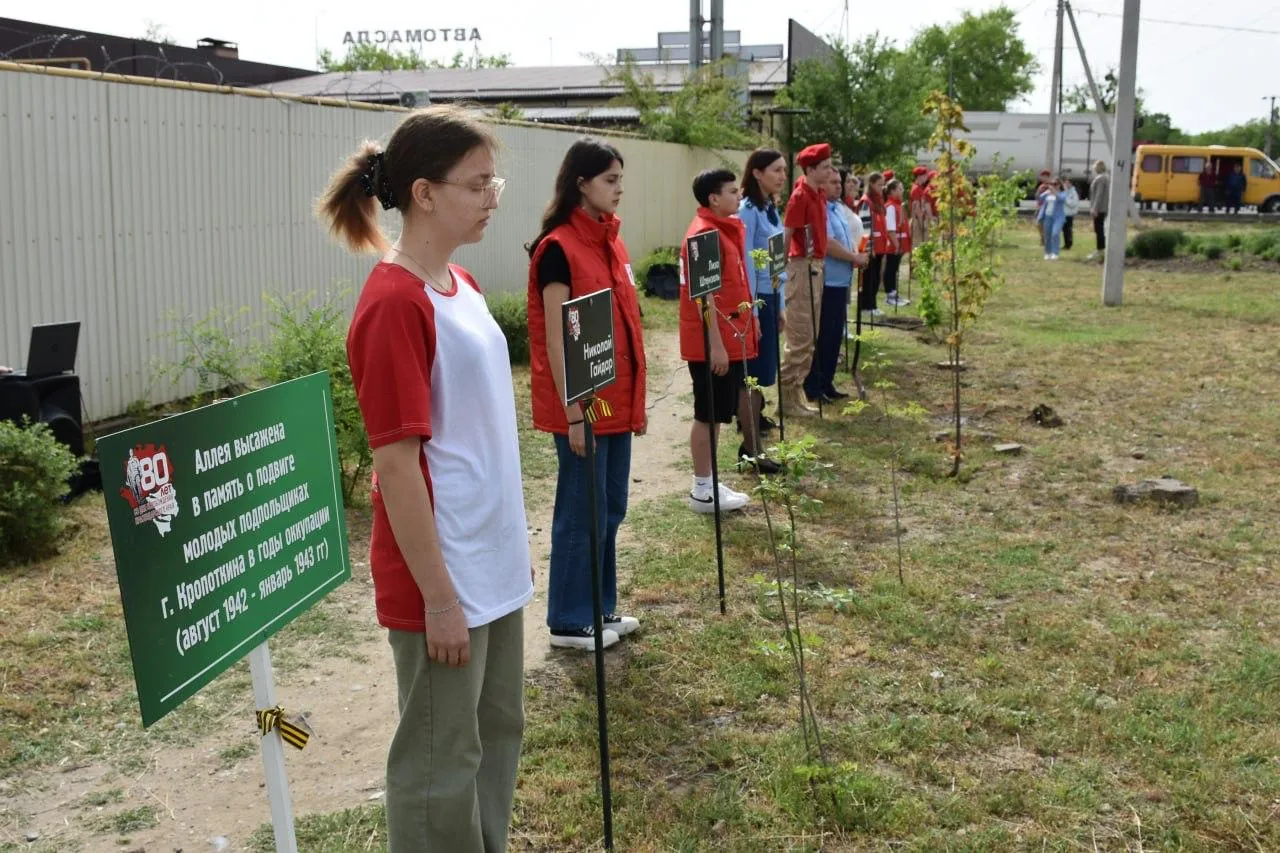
738, 333
880, 243
904, 229
597, 259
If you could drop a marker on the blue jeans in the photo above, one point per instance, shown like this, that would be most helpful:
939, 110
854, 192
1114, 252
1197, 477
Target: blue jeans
569, 586
1052, 238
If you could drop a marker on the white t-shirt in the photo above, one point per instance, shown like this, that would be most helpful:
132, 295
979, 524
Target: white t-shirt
891, 218
473, 458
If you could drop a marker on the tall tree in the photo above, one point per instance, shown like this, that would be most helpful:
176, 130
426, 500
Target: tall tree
709, 110
983, 55
864, 99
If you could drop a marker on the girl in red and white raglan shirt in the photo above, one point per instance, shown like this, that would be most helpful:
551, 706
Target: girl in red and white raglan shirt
450, 552
899, 231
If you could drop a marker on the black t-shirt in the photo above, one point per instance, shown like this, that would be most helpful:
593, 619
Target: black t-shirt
553, 266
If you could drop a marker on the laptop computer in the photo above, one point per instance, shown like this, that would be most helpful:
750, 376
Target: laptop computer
52, 350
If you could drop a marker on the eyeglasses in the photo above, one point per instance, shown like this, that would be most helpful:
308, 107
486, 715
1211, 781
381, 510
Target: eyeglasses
491, 191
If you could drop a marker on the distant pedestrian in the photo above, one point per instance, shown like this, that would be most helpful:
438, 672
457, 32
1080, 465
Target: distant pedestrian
1053, 207
1099, 199
1208, 187
1235, 187
1072, 208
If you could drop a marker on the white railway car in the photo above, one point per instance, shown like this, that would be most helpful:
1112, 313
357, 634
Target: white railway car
1021, 139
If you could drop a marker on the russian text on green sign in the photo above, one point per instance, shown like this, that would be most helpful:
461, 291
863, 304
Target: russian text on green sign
227, 523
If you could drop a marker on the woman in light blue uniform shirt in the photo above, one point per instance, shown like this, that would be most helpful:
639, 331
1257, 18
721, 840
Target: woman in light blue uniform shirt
762, 180
844, 233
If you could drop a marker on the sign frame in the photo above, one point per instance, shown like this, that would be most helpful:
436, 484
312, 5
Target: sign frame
217, 588
589, 315
777, 255
702, 256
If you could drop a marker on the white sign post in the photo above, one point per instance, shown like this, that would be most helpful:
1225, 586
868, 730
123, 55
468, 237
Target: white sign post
264, 696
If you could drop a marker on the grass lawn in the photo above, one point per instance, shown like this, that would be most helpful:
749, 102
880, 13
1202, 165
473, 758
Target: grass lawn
1058, 672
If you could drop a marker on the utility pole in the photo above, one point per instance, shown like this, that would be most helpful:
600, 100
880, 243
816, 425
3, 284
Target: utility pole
717, 31
1271, 122
1055, 88
1099, 107
1122, 158
695, 35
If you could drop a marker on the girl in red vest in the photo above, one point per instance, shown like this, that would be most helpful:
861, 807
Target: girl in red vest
899, 230
882, 243
450, 552
734, 336
579, 251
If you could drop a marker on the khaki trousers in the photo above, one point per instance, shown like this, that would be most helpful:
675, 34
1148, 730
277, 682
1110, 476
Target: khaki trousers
803, 316
451, 771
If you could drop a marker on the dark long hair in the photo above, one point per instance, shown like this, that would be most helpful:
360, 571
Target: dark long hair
586, 158
761, 158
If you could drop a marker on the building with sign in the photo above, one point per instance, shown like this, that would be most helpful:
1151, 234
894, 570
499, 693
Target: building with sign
560, 94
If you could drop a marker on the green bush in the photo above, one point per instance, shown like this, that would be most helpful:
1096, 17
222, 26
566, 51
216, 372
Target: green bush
1206, 246
34, 470
305, 339
511, 311
1235, 265
1157, 244
1262, 242
1235, 241
215, 350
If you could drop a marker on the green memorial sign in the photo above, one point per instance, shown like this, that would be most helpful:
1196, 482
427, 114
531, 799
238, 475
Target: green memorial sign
777, 255
703, 251
227, 523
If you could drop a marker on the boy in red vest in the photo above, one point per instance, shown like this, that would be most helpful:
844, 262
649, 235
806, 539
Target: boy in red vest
807, 206
733, 333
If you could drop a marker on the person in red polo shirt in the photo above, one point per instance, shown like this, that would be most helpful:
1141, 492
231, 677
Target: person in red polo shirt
579, 251
734, 334
807, 208
450, 552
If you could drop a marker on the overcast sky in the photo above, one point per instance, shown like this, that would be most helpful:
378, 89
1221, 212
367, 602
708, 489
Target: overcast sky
1204, 78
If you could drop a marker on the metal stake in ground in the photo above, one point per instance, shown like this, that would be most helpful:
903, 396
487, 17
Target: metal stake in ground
589, 365
857, 339
813, 312
777, 263
702, 254
597, 614
708, 318
777, 359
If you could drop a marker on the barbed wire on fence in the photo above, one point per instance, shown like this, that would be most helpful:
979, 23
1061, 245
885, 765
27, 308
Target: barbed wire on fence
152, 61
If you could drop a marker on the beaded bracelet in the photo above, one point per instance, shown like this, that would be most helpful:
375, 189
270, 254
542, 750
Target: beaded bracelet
443, 610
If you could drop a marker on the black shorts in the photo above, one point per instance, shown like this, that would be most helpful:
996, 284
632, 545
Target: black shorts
724, 391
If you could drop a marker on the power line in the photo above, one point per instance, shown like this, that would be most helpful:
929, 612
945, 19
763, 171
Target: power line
1194, 24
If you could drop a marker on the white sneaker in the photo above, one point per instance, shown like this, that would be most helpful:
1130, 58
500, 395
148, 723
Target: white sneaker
701, 501
583, 638
621, 625
1048, 257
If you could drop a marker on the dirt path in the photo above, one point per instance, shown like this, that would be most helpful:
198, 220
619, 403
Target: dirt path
210, 796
